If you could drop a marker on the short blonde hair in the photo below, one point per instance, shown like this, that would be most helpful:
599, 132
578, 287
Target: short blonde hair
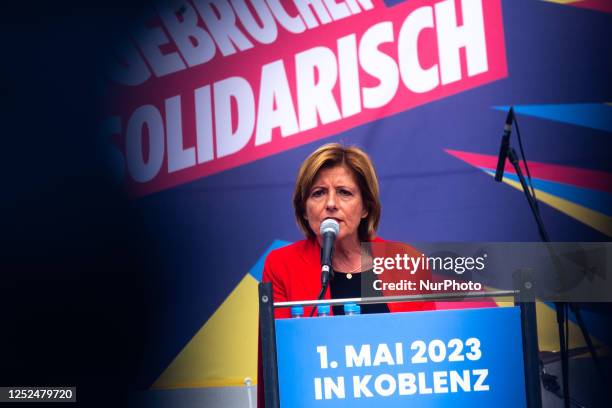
360, 165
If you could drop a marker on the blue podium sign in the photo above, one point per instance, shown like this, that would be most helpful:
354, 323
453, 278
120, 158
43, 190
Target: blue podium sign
445, 358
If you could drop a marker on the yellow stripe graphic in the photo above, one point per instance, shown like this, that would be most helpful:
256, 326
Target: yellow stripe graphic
592, 218
563, 1
224, 351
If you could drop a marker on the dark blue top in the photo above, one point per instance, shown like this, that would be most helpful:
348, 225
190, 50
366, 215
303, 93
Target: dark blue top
342, 287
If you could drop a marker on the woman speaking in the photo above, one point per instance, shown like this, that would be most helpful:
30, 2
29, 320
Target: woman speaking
334, 182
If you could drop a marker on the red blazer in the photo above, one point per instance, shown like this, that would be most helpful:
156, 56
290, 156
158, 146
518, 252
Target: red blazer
295, 273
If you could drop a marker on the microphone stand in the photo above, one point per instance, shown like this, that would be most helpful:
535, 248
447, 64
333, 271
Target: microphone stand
327, 274
329, 229
561, 307
513, 158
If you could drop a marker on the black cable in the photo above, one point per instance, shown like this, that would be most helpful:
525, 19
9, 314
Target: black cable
566, 306
321, 294
520, 140
567, 330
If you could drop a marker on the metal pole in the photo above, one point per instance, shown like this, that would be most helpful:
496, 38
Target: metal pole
267, 331
404, 298
525, 298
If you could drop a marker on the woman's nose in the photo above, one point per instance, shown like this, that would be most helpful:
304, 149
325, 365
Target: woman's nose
330, 203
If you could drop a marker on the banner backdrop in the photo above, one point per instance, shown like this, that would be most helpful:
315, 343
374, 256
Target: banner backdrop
213, 104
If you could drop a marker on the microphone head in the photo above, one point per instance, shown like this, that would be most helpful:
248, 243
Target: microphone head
509, 119
510, 116
329, 225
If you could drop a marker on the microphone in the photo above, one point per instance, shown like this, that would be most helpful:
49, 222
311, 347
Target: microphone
329, 230
503, 149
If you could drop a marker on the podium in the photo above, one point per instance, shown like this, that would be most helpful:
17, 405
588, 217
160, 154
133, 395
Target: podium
447, 358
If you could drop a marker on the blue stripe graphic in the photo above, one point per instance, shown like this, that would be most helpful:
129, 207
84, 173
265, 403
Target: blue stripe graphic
591, 115
257, 270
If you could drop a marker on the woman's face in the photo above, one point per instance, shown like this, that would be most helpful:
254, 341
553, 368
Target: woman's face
335, 194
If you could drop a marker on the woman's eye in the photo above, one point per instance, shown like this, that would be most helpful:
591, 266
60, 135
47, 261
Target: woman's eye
345, 192
317, 193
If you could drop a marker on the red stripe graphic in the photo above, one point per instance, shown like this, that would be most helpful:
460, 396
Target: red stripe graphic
574, 176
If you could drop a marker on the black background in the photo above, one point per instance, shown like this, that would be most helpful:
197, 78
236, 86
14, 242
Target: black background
74, 304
